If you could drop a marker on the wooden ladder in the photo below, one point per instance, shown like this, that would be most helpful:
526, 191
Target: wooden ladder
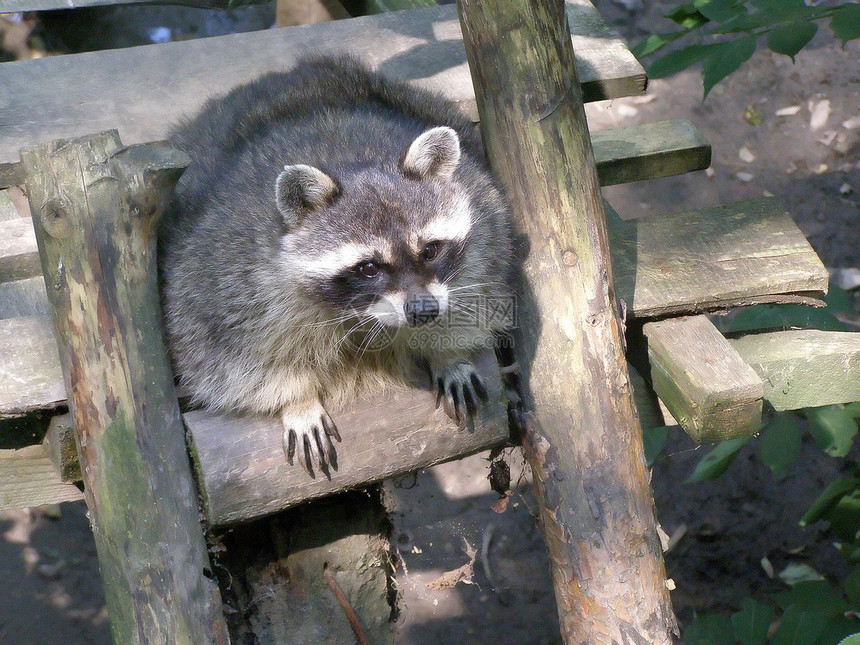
668, 270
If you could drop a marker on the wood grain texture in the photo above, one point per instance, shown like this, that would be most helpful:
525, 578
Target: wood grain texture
644, 151
648, 151
142, 90
804, 368
24, 298
703, 381
95, 206
27, 478
17, 243
719, 257
30, 374
243, 472
582, 437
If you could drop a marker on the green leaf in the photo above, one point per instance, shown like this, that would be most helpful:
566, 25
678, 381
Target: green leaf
725, 58
845, 517
811, 592
838, 300
799, 626
655, 441
851, 585
779, 443
852, 409
752, 622
845, 22
687, 16
833, 429
709, 629
719, 10
677, 61
655, 42
829, 498
761, 317
718, 460
791, 37
853, 639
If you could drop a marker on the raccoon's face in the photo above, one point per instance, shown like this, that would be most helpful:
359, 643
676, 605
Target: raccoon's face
384, 246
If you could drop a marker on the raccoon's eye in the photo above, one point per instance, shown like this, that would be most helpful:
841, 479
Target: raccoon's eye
368, 269
431, 250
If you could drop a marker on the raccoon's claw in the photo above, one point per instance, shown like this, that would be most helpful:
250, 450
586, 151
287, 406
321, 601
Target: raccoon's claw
459, 388
308, 433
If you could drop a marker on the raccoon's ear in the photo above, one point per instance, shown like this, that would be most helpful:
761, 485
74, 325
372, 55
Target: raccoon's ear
301, 189
436, 153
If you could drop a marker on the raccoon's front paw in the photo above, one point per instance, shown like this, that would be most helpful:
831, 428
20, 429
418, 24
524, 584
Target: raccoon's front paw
308, 430
459, 387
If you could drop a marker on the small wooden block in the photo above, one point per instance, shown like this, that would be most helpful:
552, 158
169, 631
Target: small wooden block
713, 258
703, 381
24, 298
804, 368
243, 471
27, 478
648, 151
60, 447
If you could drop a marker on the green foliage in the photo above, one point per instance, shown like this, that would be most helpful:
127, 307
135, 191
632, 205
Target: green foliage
718, 460
728, 31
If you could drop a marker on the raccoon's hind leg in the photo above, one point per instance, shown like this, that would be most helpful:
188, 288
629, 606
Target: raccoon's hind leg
459, 387
308, 431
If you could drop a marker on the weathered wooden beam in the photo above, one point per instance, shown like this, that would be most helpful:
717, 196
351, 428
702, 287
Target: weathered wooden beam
142, 90
243, 473
714, 258
96, 204
582, 436
648, 151
27, 478
643, 151
804, 368
703, 381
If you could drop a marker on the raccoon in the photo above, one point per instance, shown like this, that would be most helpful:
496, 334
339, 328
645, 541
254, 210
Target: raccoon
334, 230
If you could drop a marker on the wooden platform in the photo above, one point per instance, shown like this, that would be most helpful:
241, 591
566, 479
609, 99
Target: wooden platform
142, 90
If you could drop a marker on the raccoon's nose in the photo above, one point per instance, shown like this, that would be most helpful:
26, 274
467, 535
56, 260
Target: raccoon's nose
421, 309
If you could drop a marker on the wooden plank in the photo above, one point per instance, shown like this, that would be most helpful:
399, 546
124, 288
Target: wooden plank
706, 385
30, 374
17, 243
654, 150
714, 258
7, 207
647, 151
243, 472
636, 152
24, 298
141, 90
12, 6
804, 368
27, 478
676, 264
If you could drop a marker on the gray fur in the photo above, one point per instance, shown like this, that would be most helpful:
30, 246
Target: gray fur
299, 166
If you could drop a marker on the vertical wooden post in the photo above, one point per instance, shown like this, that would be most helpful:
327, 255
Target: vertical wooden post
95, 206
583, 439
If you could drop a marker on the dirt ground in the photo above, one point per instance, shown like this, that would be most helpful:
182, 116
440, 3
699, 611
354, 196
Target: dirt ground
47, 558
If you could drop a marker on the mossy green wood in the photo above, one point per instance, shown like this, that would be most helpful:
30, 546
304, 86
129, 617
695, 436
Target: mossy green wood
582, 433
804, 368
96, 205
703, 381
